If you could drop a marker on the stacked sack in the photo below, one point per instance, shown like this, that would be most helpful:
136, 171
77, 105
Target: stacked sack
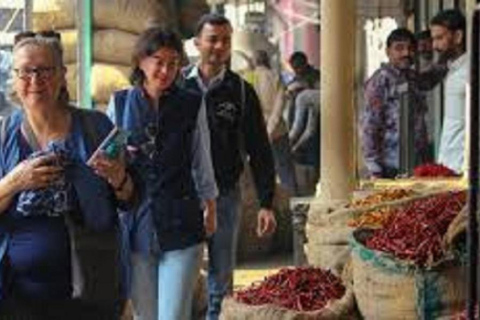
116, 25
414, 266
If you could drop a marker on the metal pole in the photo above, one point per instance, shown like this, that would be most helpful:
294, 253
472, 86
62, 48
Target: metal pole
84, 27
473, 172
27, 15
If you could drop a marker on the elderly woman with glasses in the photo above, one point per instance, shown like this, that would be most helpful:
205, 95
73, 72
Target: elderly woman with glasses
169, 146
44, 178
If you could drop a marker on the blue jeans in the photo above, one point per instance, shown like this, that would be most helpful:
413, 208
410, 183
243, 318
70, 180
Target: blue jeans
178, 271
144, 279
222, 247
284, 164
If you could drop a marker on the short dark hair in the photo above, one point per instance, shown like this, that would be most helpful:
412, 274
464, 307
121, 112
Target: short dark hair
400, 34
149, 42
452, 19
298, 59
422, 35
213, 19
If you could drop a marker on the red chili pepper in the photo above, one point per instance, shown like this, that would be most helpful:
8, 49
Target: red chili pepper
433, 170
415, 231
301, 289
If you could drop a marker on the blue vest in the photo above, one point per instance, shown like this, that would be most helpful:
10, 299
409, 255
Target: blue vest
162, 158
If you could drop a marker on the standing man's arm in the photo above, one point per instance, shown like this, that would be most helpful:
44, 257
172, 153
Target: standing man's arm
261, 160
308, 101
372, 125
430, 78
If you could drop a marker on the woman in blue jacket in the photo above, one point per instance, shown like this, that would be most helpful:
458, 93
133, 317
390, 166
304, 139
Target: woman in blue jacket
169, 147
44, 179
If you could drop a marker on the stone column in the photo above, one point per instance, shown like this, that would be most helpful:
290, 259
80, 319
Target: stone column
337, 52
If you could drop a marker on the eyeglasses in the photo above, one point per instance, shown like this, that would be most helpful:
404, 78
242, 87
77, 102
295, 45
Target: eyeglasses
41, 72
30, 34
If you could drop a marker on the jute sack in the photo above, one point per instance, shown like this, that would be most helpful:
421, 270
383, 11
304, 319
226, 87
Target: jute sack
106, 78
69, 44
388, 288
335, 310
109, 45
127, 15
131, 16
249, 244
72, 79
53, 14
327, 247
113, 46
329, 235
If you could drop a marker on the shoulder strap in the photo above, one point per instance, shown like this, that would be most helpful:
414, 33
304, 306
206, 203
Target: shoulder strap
30, 135
3, 131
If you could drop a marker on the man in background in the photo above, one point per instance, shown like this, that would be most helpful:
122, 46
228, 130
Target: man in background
238, 134
448, 33
383, 95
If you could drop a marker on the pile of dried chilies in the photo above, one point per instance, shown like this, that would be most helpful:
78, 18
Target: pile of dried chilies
372, 219
376, 218
382, 196
300, 289
415, 232
433, 170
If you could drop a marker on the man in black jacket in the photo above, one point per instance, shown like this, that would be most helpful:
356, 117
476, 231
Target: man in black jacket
238, 134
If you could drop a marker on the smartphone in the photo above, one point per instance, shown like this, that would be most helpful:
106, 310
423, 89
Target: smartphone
112, 144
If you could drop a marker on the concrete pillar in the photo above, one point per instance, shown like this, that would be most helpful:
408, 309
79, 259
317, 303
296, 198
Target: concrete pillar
337, 52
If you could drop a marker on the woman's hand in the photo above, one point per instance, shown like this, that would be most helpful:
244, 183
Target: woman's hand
114, 171
36, 173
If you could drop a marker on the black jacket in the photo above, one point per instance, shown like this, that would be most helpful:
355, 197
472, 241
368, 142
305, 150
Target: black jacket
238, 133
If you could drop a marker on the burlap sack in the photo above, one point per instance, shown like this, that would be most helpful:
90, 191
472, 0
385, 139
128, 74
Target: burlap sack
387, 288
456, 232
335, 310
249, 244
113, 46
127, 15
109, 46
69, 44
131, 16
327, 247
106, 78
72, 79
329, 235
53, 14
